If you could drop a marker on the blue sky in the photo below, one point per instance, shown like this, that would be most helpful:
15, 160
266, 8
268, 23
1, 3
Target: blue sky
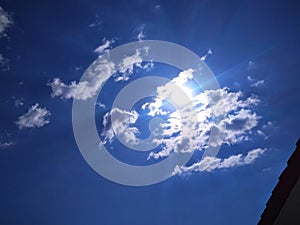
45, 180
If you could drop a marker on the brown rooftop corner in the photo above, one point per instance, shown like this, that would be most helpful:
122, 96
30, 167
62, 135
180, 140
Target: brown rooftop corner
283, 207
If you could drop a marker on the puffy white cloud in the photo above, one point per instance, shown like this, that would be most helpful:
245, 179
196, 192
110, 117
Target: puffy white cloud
104, 47
238, 124
175, 90
5, 22
122, 120
35, 117
6, 144
154, 107
209, 164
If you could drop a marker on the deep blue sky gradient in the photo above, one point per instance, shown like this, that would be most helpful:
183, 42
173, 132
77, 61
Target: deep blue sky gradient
45, 180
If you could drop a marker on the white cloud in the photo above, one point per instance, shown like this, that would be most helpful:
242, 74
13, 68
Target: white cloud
35, 117
209, 52
250, 78
5, 22
141, 35
100, 105
122, 120
209, 164
258, 83
175, 90
6, 144
255, 83
126, 67
97, 24
83, 89
253, 155
261, 133
238, 125
104, 47
154, 107
140, 32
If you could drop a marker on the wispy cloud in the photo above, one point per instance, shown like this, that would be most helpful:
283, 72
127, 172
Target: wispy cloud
5, 22
100, 105
104, 47
6, 144
255, 83
209, 52
126, 67
141, 35
3, 61
97, 23
249, 78
208, 164
35, 117
140, 32
102, 71
84, 89
258, 83
251, 66
19, 102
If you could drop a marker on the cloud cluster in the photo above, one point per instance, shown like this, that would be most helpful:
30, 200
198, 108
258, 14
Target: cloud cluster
190, 127
209, 164
35, 117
